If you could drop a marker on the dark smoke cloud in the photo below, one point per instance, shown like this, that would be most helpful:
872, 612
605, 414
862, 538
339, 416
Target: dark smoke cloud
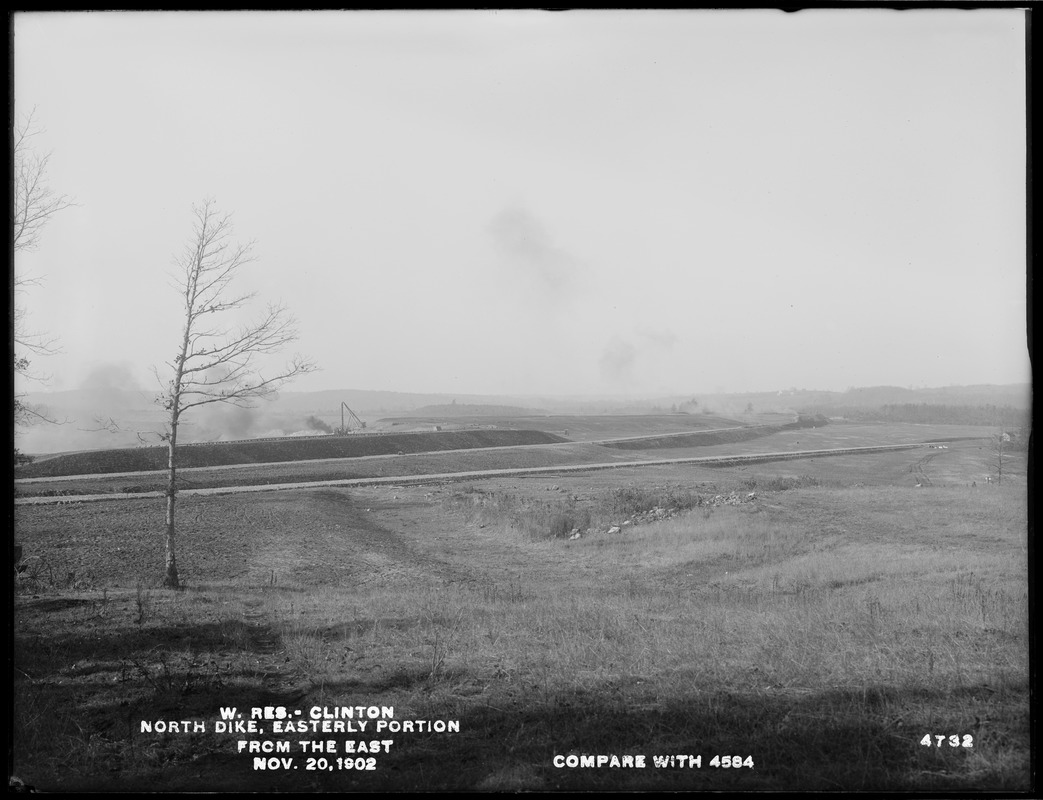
109, 409
620, 357
115, 375
527, 244
316, 424
223, 421
219, 421
108, 389
664, 340
100, 416
617, 360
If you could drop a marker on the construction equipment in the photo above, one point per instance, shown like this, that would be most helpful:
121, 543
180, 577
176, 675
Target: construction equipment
353, 423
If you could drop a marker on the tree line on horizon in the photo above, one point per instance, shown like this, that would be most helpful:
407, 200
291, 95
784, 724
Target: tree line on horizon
1006, 417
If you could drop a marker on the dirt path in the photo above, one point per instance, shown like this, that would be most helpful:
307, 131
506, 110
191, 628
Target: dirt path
919, 469
343, 536
281, 684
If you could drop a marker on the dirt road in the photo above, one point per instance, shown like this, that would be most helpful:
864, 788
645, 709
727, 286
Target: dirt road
753, 458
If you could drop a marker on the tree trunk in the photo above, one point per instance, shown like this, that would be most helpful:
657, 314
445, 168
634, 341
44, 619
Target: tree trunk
999, 472
171, 579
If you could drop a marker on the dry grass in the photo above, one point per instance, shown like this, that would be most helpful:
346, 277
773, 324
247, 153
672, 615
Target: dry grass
821, 630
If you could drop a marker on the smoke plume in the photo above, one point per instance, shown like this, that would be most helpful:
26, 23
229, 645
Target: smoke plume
528, 247
316, 424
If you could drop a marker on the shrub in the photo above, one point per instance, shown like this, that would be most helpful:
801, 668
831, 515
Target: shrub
628, 501
781, 483
549, 520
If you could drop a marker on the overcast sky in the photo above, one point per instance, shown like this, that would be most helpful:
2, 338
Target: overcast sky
545, 203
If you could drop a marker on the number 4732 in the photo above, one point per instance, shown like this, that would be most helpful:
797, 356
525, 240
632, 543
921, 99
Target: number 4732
938, 739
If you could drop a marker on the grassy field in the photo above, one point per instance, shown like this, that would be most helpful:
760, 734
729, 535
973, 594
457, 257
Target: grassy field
585, 427
816, 619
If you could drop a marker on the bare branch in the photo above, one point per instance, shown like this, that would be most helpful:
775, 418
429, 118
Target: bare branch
36, 343
108, 425
35, 204
215, 363
241, 392
28, 414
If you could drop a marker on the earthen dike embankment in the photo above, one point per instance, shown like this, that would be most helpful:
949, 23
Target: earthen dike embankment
402, 480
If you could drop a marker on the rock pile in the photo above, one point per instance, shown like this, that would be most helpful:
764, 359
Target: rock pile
733, 499
660, 513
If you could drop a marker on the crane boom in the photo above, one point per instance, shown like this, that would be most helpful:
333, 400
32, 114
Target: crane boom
353, 422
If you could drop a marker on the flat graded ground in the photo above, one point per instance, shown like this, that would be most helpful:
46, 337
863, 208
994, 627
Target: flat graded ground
824, 623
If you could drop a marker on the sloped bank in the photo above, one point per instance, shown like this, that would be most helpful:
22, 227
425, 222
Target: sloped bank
696, 439
712, 437
262, 451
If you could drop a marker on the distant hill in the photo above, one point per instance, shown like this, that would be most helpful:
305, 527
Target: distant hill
86, 415
957, 405
475, 410
379, 403
1017, 396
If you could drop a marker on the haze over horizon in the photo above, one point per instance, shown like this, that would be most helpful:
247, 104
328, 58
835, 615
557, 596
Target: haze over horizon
96, 386
525, 203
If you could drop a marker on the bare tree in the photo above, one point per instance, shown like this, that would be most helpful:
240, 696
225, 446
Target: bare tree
1003, 445
33, 343
35, 204
999, 447
216, 364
